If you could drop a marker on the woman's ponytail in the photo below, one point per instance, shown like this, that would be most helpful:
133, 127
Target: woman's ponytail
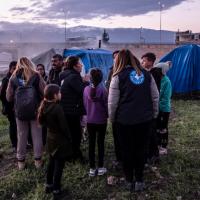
40, 115
96, 78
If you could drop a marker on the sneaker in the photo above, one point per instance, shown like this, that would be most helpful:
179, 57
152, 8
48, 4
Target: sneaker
48, 188
21, 165
92, 172
139, 186
102, 171
163, 151
38, 164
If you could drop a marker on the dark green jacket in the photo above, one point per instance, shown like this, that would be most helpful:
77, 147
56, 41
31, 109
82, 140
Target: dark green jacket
58, 135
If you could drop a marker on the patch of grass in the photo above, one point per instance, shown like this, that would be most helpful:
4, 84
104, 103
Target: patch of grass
177, 175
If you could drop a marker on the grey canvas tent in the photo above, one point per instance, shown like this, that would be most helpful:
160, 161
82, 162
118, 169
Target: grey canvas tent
45, 58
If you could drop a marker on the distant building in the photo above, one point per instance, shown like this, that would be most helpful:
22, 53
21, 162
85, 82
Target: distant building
187, 37
105, 36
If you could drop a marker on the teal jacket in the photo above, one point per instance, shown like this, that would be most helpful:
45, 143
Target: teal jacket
165, 95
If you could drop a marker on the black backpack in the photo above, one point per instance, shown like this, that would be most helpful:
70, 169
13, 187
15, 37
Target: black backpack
27, 100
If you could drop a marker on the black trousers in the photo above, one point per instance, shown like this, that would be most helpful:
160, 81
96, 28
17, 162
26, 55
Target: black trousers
152, 144
99, 131
12, 129
116, 142
76, 134
162, 128
133, 139
54, 171
44, 135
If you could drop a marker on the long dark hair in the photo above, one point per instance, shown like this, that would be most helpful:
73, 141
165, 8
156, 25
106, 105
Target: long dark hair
49, 96
41, 65
96, 77
11, 65
70, 62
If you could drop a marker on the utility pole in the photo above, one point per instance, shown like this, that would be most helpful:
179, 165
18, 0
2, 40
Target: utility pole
142, 39
65, 30
65, 14
161, 7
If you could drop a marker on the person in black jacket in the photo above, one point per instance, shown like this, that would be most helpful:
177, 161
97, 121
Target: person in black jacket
58, 138
72, 87
8, 107
57, 63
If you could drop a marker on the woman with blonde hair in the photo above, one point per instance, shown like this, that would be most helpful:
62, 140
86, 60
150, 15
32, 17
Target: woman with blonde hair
26, 89
132, 104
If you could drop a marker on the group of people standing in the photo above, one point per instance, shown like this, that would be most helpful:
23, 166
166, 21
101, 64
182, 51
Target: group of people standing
136, 99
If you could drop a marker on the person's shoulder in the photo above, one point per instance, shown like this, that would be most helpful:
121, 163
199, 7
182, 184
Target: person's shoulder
166, 78
76, 77
62, 75
75, 73
57, 107
70, 74
87, 87
104, 90
102, 87
144, 71
37, 75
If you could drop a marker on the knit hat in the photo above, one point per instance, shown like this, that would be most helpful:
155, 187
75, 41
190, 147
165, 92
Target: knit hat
165, 66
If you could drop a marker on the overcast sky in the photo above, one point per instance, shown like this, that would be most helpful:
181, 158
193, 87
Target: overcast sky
176, 14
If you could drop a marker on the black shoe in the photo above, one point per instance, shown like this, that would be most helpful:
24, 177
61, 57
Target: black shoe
29, 146
57, 194
48, 188
61, 194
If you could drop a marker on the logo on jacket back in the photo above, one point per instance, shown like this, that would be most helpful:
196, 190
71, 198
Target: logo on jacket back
135, 78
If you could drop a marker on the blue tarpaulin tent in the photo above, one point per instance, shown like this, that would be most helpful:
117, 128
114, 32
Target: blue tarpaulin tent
185, 71
93, 58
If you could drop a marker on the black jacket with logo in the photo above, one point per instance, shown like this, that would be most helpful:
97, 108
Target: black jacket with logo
135, 103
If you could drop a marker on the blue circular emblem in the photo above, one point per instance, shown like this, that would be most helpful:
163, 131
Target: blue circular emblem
135, 78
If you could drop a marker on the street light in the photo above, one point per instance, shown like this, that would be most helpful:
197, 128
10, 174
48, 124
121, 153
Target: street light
142, 39
161, 7
65, 13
